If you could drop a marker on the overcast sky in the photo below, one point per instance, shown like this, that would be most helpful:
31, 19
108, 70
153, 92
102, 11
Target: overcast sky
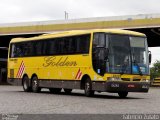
37, 10
40, 10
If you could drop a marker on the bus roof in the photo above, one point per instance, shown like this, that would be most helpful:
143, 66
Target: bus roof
77, 32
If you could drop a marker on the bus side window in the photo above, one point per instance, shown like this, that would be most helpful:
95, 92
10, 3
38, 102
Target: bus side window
19, 50
51, 46
12, 51
38, 48
44, 47
27, 49
72, 45
83, 43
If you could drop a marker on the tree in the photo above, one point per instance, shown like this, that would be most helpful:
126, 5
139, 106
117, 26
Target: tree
155, 70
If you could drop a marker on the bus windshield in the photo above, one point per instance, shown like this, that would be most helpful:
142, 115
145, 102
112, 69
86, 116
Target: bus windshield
126, 54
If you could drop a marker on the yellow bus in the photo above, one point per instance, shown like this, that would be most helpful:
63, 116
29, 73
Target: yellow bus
156, 81
103, 60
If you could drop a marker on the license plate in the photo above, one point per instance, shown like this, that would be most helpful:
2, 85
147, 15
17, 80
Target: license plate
131, 86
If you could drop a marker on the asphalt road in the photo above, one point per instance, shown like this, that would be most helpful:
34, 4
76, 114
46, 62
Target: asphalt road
14, 101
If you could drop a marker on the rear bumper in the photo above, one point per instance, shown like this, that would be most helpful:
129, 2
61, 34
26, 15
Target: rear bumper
127, 86
13, 81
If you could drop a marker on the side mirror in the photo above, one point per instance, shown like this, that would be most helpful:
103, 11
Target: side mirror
150, 56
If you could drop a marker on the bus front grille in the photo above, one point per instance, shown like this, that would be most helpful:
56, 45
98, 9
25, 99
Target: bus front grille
125, 79
136, 79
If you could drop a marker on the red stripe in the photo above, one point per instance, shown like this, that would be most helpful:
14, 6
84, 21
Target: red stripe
77, 74
19, 69
21, 73
80, 74
22, 70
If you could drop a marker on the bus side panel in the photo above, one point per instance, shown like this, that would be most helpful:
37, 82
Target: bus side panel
15, 71
64, 71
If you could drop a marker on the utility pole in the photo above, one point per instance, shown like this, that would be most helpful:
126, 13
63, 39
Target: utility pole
66, 15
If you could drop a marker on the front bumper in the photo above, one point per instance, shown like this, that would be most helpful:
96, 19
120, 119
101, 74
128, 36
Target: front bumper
117, 86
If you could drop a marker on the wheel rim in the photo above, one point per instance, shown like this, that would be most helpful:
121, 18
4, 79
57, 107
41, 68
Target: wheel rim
25, 84
34, 84
87, 87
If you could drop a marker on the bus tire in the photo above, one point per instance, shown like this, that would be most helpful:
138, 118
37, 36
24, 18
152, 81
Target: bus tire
35, 84
55, 90
88, 88
25, 84
68, 91
123, 94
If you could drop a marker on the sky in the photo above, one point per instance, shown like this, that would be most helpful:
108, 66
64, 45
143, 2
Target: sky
43, 10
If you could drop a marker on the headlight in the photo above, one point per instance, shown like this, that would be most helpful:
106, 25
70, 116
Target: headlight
146, 80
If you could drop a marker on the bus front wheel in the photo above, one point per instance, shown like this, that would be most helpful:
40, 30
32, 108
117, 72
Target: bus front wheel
35, 85
88, 88
123, 94
25, 84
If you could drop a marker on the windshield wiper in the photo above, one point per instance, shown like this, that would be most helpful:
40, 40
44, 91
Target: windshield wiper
139, 69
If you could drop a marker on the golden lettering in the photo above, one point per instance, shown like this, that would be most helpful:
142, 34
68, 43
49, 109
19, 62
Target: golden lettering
62, 61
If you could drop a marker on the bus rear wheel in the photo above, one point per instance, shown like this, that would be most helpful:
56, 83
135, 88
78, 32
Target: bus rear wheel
35, 85
68, 91
88, 88
25, 84
123, 94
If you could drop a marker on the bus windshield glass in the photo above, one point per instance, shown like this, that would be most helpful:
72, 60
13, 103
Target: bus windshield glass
126, 54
